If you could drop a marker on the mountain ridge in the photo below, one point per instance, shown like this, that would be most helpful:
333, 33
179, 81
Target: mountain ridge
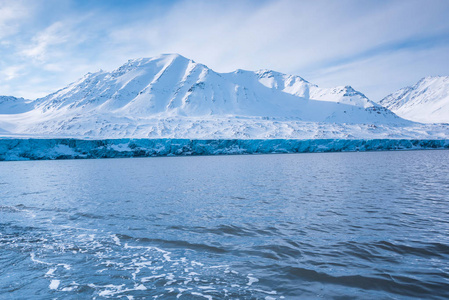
173, 96
173, 84
426, 101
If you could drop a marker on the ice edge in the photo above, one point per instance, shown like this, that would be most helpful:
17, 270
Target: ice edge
67, 148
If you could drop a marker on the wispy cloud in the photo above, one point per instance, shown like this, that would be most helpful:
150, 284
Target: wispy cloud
363, 43
380, 75
52, 36
12, 13
12, 72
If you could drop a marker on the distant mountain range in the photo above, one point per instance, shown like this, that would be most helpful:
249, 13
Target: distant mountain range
427, 101
172, 96
13, 105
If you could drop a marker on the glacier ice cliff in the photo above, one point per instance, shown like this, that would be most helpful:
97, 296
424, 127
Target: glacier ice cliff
41, 149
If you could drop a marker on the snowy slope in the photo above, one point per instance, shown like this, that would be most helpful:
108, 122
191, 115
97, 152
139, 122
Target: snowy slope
170, 96
13, 105
173, 85
427, 101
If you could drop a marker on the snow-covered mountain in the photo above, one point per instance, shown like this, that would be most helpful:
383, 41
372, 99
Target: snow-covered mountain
172, 96
427, 101
13, 105
172, 85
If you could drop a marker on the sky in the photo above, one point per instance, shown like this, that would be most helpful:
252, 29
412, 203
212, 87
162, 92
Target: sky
376, 46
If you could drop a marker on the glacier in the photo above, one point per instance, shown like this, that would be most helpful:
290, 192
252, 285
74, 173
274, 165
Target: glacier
49, 149
172, 105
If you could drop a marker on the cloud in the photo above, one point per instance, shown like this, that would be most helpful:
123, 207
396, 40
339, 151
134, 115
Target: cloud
285, 35
12, 72
380, 75
53, 35
11, 15
356, 42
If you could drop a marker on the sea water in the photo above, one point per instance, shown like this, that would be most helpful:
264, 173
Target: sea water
321, 225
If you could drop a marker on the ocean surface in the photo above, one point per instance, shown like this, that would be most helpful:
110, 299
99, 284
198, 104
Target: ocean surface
371, 225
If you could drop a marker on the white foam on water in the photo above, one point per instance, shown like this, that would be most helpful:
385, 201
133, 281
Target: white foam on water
218, 267
66, 266
116, 240
33, 258
112, 290
170, 277
106, 293
109, 263
149, 278
206, 287
251, 279
167, 257
143, 263
202, 295
193, 274
140, 287
134, 274
195, 263
54, 284
50, 272
265, 292
73, 286
147, 267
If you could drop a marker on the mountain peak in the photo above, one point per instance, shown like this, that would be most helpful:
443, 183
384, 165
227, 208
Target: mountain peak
145, 94
426, 101
173, 85
434, 78
14, 105
160, 57
160, 60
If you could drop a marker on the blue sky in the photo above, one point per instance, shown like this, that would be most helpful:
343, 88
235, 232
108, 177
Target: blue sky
376, 46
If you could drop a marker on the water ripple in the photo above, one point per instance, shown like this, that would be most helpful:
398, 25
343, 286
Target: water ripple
339, 226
